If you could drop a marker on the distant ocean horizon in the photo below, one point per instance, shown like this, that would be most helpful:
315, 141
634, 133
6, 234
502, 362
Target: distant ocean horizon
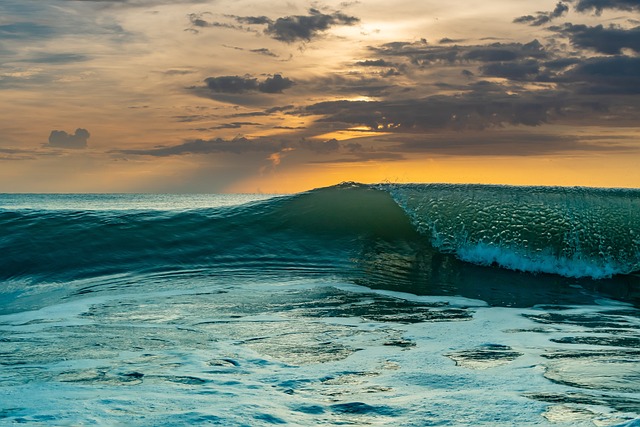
383, 304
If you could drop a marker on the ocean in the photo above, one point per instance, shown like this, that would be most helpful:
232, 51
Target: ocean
387, 305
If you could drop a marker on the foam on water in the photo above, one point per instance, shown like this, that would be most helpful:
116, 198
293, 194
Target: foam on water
351, 305
304, 353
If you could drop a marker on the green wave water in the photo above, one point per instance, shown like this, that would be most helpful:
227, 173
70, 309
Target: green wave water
404, 305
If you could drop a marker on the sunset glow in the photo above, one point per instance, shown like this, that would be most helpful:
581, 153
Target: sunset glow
227, 96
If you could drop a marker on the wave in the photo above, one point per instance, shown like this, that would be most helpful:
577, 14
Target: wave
360, 230
570, 231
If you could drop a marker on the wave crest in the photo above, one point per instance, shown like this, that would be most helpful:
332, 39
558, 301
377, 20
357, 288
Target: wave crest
573, 232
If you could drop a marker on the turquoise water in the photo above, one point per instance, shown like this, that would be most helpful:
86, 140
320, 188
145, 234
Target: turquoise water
354, 304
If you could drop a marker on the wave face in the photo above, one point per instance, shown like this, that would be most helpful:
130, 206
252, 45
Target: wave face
379, 236
573, 232
320, 228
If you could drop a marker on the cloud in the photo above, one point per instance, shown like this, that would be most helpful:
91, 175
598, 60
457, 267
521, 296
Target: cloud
231, 84
264, 51
239, 145
473, 111
539, 87
353, 84
254, 20
375, 63
514, 70
608, 40
422, 54
288, 29
599, 5
206, 146
61, 139
574, 81
16, 154
55, 58
234, 125
321, 147
543, 17
198, 21
178, 72
305, 28
275, 84
26, 30
607, 75
261, 51
447, 40
239, 85
504, 143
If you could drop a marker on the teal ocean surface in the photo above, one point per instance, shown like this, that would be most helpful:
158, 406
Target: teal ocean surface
404, 305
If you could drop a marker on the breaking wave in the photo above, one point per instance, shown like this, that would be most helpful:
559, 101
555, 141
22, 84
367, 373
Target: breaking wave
366, 233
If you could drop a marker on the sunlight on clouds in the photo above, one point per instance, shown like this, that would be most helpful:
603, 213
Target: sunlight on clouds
351, 133
413, 91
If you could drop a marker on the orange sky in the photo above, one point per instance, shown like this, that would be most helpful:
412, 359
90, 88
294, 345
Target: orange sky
246, 96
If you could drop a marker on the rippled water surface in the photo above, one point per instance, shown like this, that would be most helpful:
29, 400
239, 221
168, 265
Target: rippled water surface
327, 308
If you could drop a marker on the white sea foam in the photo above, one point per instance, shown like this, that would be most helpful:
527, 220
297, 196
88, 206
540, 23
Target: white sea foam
298, 353
489, 254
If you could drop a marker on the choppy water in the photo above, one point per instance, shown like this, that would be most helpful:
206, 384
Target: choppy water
404, 305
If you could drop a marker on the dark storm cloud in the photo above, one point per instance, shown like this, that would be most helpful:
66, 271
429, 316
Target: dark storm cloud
568, 90
505, 143
275, 84
423, 54
515, 70
375, 63
61, 139
609, 40
231, 84
491, 54
542, 18
239, 85
607, 75
305, 27
290, 29
207, 146
474, 111
599, 5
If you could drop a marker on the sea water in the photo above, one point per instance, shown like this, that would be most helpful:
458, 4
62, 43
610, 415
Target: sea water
404, 305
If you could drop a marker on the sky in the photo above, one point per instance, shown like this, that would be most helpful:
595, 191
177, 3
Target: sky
227, 96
